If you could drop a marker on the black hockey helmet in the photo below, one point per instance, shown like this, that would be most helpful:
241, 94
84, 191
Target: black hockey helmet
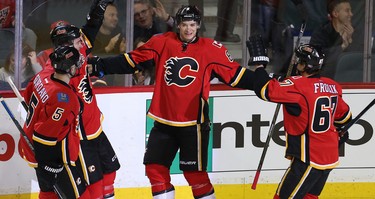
188, 13
63, 58
311, 56
64, 35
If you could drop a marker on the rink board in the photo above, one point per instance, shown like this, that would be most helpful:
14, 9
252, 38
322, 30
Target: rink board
235, 147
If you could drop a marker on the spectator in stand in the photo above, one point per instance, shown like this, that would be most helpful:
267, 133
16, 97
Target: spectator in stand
110, 38
7, 20
30, 65
109, 41
268, 16
147, 76
226, 21
335, 36
149, 20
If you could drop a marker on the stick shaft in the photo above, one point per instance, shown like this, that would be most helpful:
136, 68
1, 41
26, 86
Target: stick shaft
19, 127
271, 129
18, 94
355, 120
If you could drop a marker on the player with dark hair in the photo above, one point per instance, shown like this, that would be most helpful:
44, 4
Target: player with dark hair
52, 126
313, 108
185, 64
97, 158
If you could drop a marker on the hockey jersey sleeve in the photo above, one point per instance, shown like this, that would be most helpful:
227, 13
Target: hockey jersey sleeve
343, 115
226, 69
282, 92
128, 63
94, 21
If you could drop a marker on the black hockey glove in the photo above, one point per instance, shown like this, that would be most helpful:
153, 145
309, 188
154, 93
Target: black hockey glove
257, 51
97, 10
97, 68
56, 169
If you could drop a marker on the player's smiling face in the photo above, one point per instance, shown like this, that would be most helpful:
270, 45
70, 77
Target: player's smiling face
188, 30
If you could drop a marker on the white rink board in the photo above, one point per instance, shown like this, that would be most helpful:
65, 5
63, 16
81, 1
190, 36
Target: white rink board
124, 124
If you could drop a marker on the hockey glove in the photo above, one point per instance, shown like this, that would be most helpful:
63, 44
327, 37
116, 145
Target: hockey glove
97, 10
343, 136
56, 169
97, 68
257, 51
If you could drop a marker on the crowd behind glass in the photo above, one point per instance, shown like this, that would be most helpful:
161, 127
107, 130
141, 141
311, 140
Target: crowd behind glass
125, 27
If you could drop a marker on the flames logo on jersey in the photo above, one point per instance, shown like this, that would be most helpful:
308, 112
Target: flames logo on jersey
180, 71
85, 89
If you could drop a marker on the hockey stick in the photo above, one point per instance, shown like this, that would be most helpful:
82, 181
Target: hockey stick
57, 189
271, 130
16, 123
355, 120
18, 94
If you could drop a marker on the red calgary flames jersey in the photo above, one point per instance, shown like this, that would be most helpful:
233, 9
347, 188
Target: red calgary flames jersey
311, 107
91, 117
183, 74
52, 117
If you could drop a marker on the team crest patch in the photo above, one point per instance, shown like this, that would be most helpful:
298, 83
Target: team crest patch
62, 97
91, 168
78, 181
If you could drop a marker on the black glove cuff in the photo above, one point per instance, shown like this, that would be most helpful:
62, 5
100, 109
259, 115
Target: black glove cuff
51, 169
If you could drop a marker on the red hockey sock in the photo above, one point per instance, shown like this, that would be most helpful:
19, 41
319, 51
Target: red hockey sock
199, 182
85, 195
47, 195
310, 196
96, 190
159, 178
108, 181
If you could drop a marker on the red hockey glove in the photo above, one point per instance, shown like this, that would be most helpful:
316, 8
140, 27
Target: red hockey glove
257, 51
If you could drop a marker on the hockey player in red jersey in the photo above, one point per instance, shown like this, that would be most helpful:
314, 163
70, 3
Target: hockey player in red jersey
313, 108
97, 159
185, 64
52, 126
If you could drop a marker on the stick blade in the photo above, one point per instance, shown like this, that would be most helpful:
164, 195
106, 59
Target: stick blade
255, 181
